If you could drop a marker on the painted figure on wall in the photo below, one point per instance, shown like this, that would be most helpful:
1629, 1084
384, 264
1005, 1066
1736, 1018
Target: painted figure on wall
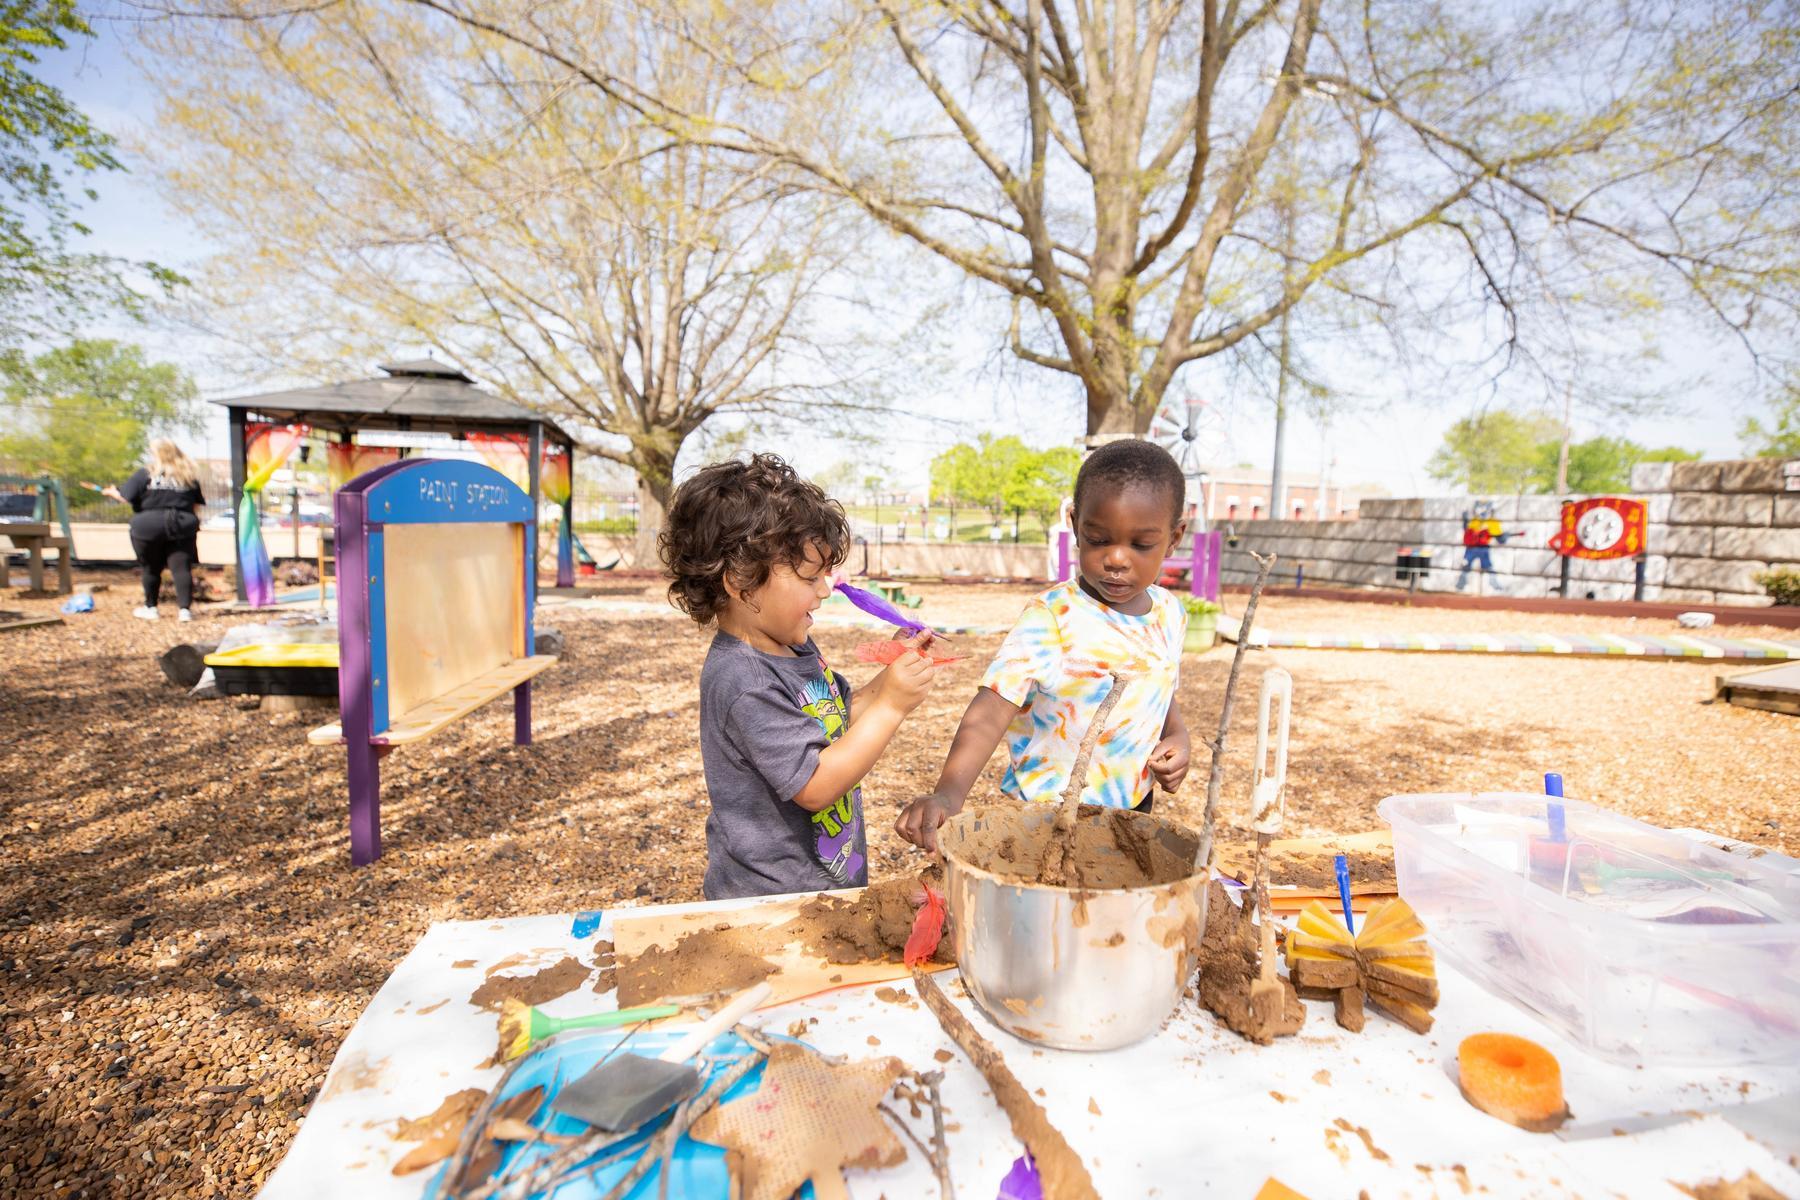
1481, 531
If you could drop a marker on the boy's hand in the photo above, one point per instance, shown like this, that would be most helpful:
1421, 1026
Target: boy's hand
1169, 761
906, 681
919, 822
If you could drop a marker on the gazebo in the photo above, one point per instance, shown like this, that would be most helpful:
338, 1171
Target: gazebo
419, 396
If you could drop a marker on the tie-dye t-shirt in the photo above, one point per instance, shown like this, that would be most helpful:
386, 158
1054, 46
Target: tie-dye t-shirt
1057, 663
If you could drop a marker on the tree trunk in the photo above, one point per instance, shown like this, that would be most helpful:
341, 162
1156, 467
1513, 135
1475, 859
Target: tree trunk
653, 508
1117, 416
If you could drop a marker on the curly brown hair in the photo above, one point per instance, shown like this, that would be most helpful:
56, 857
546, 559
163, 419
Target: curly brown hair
736, 520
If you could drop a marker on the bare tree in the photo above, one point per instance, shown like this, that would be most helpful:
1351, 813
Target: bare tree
381, 173
1099, 162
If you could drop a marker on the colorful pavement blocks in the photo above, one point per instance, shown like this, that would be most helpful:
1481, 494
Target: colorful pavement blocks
1584, 644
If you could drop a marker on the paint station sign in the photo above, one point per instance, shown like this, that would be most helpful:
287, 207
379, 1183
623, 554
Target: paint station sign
462, 497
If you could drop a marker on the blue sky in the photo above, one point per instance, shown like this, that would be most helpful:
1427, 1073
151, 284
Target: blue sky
1380, 439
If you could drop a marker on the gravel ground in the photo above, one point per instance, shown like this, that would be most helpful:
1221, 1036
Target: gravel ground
183, 943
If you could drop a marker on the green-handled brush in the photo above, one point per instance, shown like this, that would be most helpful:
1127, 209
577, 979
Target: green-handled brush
521, 1025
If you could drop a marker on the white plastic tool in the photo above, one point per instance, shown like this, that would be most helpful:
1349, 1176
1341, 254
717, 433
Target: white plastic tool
1267, 803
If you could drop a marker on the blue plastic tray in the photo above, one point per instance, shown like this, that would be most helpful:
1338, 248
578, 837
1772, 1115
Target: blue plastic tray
696, 1170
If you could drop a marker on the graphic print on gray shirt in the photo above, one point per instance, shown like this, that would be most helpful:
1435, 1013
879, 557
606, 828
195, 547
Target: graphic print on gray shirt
764, 719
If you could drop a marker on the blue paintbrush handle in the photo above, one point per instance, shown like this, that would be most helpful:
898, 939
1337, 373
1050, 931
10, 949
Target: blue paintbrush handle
1343, 878
1553, 786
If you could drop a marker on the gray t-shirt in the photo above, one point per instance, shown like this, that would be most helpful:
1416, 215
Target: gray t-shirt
763, 721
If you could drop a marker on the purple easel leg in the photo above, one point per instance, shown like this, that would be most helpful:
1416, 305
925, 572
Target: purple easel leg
365, 804
522, 714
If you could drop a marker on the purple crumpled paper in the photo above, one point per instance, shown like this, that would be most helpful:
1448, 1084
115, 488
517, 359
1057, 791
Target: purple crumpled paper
878, 607
1022, 1182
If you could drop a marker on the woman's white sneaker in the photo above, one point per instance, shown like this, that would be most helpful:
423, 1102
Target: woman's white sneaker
145, 614
184, 615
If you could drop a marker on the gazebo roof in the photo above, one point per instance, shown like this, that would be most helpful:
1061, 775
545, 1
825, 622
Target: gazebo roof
422, 394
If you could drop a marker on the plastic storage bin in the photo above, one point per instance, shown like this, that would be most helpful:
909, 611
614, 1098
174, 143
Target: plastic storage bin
1640, 944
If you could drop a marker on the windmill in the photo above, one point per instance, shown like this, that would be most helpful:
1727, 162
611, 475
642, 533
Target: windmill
1188, 430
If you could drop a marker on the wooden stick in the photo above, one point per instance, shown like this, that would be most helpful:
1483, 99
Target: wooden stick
1203, 859
679, 1124
1063, 1174
940, 1161
1054, 869
1266, 999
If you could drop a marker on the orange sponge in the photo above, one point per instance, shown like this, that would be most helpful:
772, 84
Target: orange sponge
1512, 1078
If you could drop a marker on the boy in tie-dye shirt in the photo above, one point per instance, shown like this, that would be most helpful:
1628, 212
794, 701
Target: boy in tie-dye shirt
1044, 688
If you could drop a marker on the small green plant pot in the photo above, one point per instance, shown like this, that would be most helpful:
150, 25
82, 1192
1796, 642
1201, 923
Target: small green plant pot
1202, 632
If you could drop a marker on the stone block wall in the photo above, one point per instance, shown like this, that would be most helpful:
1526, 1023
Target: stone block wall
1712, 527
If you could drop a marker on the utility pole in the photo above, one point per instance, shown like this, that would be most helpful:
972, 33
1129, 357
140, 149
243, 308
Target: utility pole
1562, 453
1277, 485
1278, 506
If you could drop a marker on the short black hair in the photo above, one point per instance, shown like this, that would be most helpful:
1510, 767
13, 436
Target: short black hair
1130, 462
736, 520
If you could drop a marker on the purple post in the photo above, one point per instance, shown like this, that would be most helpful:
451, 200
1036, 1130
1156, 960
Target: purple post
354, 675
365, 804
522, 714
1062, 555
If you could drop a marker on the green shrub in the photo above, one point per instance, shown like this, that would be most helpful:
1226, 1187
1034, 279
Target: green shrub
1199, 606
1782, 584
610, 525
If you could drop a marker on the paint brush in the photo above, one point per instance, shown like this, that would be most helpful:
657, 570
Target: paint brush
626, 1090
522, 1026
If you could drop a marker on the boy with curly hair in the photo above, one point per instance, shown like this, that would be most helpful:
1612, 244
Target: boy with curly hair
751, 547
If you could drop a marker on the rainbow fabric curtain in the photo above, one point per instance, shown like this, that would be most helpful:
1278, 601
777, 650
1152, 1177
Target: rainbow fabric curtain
507, 453
346, 460
266, 447
559, 490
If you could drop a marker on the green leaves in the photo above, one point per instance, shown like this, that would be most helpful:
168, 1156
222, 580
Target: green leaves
45, 286
1781, 437
1004, 473
1493, 452
86, 411
1500, 451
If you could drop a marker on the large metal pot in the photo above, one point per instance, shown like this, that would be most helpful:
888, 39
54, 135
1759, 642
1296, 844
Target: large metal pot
1079, 970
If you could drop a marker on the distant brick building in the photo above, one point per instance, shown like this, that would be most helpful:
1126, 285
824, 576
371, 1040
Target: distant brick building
1235, 494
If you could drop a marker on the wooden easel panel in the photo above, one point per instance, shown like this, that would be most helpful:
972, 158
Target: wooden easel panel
455, 607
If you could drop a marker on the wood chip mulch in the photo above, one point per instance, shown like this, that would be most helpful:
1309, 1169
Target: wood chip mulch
183, 943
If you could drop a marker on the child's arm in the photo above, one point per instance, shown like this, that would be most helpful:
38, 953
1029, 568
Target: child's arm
983, 724
1169, 761
896, 692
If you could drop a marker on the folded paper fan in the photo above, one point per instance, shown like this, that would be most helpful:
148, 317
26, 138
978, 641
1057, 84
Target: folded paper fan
927, 930
886, 652
1386, 963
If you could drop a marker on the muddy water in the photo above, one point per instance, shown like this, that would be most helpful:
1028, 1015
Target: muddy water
1114, 848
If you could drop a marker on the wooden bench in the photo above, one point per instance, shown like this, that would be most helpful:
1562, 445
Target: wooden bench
435, 595
34, 539
896, 592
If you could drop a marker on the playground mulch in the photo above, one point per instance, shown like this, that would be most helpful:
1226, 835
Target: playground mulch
183, 943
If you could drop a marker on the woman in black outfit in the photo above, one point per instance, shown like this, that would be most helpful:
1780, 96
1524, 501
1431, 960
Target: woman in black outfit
165, 501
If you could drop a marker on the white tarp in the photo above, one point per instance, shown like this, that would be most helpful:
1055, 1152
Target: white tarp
1193, 1111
